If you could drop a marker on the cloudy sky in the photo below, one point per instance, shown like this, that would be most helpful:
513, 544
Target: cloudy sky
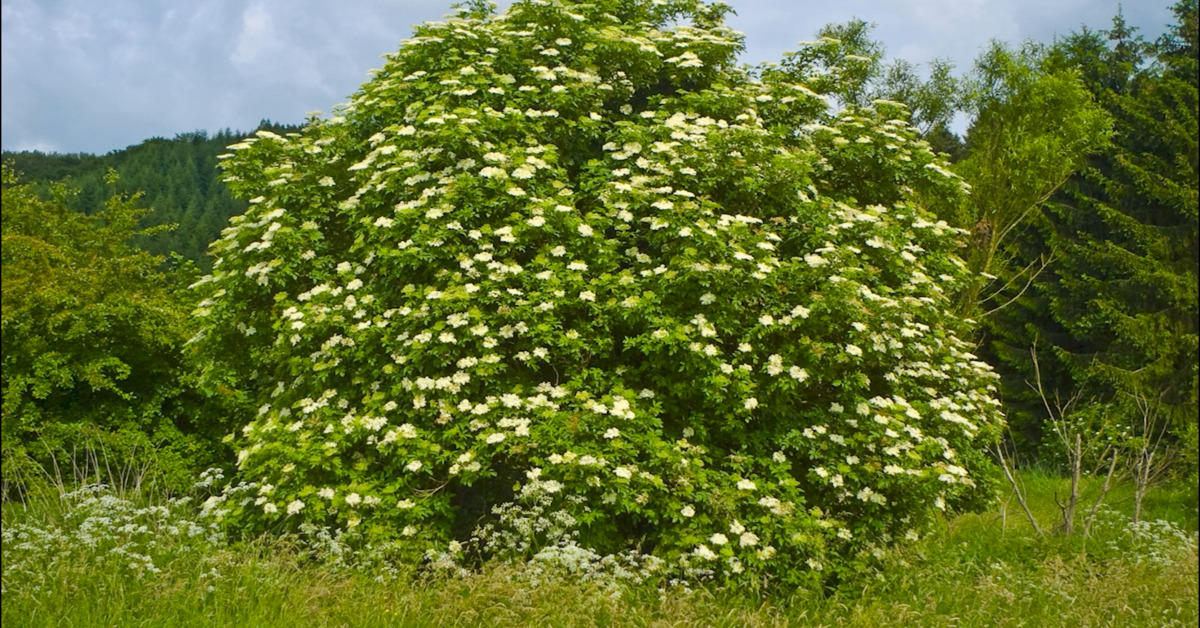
88, 76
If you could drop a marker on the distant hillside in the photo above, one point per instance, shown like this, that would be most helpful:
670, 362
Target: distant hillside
179, 177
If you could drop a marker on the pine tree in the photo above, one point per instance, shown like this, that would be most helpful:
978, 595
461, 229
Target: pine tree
177, 178
1116, 315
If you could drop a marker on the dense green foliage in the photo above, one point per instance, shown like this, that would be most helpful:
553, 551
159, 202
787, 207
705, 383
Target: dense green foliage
1115, 315
1034, 124
177, 178
93, 340
574, 252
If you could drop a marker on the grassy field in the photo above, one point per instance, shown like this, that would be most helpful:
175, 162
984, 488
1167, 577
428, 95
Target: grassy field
95, 559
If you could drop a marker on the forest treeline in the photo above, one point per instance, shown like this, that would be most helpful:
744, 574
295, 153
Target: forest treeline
178, 178
1082, 159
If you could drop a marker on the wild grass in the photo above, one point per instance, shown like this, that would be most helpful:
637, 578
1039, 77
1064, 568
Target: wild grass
93, 558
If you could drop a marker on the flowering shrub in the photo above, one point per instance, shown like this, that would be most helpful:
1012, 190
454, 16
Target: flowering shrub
572, 257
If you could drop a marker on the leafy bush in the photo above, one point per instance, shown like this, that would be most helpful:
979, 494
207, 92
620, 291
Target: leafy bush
94, 356
573, 253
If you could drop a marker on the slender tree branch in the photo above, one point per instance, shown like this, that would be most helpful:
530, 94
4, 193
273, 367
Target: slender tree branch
1008, 473
1032, 278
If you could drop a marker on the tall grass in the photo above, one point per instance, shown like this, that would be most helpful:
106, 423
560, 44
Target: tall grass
62, 567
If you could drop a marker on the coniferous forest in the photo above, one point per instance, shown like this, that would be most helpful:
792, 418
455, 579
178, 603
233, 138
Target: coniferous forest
178, 179
569, 318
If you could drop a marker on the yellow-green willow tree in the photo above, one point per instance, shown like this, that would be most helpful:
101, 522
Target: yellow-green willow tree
565, 279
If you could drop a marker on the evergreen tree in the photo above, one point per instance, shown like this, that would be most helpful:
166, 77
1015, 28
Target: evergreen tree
178, 179
1115, 316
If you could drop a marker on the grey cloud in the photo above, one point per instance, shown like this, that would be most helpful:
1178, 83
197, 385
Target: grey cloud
81, 75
